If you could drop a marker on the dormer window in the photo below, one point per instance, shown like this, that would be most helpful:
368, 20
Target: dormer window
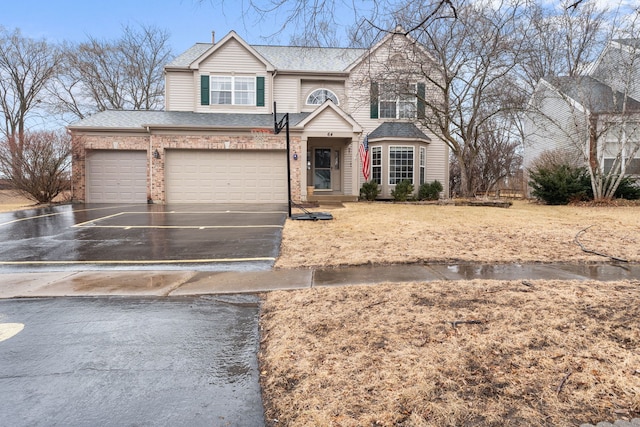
319, 96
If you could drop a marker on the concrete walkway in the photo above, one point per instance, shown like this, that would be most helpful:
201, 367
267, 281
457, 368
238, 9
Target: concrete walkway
182, 283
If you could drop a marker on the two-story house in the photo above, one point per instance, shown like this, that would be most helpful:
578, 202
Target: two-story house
592, 118
215, 141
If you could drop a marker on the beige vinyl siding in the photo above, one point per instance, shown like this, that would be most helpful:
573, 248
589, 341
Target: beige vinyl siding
358, 87
285, 93
347, 162
180, 89
329, 121
232, 59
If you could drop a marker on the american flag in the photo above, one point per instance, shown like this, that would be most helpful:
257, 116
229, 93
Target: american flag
364, 157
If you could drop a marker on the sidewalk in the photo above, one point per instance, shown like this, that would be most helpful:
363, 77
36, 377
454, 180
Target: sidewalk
186, 283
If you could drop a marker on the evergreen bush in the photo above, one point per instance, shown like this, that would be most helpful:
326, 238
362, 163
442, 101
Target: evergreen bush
560, 184
369, 191
403, 191
430, 191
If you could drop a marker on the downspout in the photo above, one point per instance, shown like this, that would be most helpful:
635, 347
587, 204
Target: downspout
150, 157
272, 88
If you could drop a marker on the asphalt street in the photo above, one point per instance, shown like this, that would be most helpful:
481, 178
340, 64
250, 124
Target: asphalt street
183, 361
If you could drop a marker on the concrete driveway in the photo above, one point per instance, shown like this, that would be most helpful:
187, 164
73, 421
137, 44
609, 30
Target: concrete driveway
198, 237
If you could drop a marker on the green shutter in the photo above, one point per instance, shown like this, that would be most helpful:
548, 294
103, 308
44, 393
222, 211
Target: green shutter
204, 90
259, 91
374, 100
421, 105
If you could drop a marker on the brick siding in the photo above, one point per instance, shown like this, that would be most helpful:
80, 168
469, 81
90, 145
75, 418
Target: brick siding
83, 143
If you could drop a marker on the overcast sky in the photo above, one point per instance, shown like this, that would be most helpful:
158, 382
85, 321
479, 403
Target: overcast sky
188, 21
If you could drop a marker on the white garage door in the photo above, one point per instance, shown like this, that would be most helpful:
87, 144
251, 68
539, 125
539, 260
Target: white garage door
118, 176
224, 176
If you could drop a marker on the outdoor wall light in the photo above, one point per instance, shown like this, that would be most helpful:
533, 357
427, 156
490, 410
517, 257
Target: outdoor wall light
295, 156
156, 154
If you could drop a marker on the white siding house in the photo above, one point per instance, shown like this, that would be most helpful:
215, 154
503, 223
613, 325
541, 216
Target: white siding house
593, 118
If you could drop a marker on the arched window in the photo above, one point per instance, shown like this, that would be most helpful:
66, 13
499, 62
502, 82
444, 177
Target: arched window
318, 96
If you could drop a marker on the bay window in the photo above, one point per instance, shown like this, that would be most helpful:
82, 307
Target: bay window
400, 164
376, 165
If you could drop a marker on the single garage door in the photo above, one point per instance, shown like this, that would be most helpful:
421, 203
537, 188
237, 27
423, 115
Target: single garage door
118, 176
224, 176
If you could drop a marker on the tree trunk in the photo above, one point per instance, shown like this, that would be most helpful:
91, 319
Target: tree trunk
466, 180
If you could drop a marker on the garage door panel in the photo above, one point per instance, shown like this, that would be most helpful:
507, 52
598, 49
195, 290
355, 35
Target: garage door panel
117, 176
224, 176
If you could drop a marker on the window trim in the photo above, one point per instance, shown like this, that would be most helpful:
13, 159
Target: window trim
327, 92
398, 100
422, 166
413, 160
374, 166
253, 93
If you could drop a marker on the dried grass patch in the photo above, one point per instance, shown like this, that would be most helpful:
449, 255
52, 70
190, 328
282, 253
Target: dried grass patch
382, 233
10, 201
555, 353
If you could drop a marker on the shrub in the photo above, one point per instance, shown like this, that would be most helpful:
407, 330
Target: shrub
403, 191
560, 184
628, 189
369, 191
430, 191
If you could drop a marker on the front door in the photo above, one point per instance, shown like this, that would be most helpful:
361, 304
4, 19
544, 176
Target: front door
322, 169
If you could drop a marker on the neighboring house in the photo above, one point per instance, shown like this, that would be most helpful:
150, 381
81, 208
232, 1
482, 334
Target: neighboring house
592, 118
215, 142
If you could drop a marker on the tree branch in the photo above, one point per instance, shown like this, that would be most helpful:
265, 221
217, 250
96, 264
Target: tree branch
589, 251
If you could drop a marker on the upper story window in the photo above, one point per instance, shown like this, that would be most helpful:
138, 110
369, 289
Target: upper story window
398, 101
319, 96
232, 90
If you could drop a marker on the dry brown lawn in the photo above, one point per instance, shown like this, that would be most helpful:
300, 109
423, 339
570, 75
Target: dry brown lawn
11, 201
383, 233
535, 354
474, 353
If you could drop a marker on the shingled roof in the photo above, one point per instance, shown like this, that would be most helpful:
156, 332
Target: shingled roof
594, 95
119, 119
402, 130
286, 58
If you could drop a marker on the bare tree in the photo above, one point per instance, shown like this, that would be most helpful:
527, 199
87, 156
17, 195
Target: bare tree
44, 161
498, 160
477, 51
123, 74
562, 42
27, 66
597, 114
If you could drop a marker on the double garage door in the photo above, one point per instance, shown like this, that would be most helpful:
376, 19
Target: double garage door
225, 176
191, 176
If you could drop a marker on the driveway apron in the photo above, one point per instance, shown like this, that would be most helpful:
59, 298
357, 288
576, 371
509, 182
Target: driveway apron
197, 236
